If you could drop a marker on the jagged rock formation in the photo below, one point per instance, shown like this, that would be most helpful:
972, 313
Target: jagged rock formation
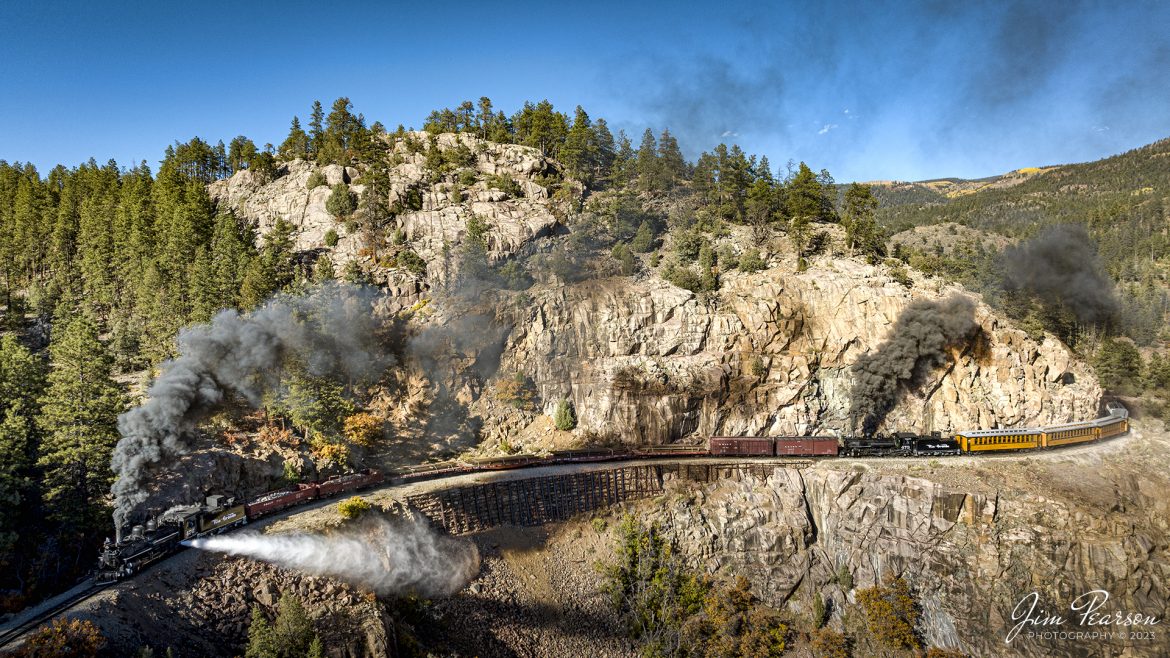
199, 605
433, 222
772, 354
972, 542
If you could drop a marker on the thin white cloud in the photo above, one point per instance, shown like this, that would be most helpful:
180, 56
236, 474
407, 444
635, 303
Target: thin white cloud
827, 128
729, 133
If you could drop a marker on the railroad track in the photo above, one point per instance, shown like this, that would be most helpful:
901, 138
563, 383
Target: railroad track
22, 626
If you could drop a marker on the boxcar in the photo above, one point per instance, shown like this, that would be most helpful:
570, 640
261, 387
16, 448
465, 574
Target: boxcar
992, 440
806, 446
742, 446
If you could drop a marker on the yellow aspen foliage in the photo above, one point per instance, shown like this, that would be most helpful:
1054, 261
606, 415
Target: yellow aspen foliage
363, 428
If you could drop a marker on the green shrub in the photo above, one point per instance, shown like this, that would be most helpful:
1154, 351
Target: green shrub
665, 604
316, 179
412, 262
750, 261
901, 276
506, 185
354, 507
643, 241
342, 202
687, 245
565, 418
845, 577
625, 258
331, 238
467, 177
684, 277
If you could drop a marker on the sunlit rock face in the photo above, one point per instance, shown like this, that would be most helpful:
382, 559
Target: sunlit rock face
971, 547
771, 353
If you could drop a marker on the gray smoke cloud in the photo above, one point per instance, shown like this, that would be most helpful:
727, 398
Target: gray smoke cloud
919, 340
384, 556
330, 329
1061, 265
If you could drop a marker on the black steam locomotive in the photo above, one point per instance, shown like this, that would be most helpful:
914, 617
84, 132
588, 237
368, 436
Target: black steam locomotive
161, 536
900, 444
165, 533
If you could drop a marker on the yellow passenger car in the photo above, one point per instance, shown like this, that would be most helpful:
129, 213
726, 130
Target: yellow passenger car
1111, 426
991, 440
1063, 435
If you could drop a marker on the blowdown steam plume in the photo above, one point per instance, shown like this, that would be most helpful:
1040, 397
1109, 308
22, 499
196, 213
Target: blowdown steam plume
330, 329
919, 340
387, 557
1061, 264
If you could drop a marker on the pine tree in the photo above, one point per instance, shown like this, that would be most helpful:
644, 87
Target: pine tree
261, 639
565, 419
232, 247
647, 164
293, 630
861, 229
316, 650
578, 152
604, 149
241, 152
672, 166
296, 145
79, 413
316, 129
21, 383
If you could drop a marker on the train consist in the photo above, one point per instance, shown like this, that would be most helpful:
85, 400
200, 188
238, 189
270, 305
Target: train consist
164, 534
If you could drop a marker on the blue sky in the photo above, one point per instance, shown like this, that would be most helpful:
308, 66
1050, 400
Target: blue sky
868, 90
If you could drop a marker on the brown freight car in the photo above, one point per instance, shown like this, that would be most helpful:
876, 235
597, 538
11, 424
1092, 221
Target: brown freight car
349, 482
806, 446
278, 500
741, 446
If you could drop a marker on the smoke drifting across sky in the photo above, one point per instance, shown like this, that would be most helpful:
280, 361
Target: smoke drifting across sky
911, 90
381, 555
1061, 266
330, 329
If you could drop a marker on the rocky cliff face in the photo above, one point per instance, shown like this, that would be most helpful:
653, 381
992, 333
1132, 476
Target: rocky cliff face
771, 353
973, 539
640, 359
432, 208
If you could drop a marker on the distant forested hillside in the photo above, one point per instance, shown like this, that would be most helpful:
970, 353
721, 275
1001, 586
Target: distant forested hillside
1121, 201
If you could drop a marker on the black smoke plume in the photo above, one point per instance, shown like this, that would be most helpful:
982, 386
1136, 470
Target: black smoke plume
330, 330
920, 339
1061, 266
